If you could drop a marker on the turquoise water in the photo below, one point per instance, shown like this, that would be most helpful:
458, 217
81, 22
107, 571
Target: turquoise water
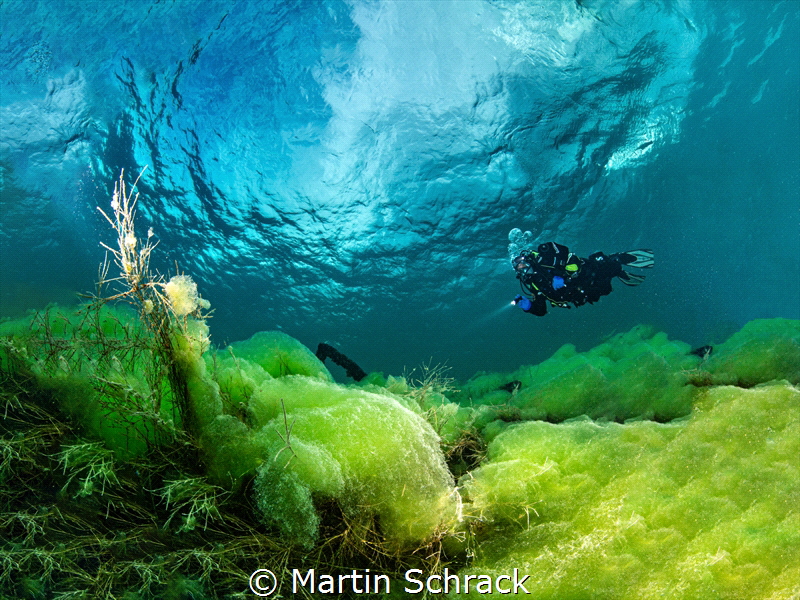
348, 172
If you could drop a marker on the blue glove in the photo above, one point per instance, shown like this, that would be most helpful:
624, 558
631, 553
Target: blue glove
558, 282
523, 302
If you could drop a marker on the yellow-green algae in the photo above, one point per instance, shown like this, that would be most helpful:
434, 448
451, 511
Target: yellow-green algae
764, 350
700, 505
266, 407
370, 451
272, 410
637, 374
280, 354
705, 507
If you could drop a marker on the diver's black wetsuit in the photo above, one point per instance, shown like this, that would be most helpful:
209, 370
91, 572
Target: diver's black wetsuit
554, 274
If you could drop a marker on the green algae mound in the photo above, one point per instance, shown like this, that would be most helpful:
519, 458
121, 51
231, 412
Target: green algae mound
280, 354
764, 350
703, 507
370, 451
639, 374
307, 440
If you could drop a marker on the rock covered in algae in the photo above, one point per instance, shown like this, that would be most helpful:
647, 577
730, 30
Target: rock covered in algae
307, 437
363, 448
280, 354
703, 507
638, 374
763, 350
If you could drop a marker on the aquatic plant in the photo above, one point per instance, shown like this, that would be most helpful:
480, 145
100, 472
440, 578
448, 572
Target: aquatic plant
171, 311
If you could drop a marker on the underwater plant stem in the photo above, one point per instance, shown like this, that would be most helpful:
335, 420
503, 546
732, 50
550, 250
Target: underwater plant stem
287, 437
146, 291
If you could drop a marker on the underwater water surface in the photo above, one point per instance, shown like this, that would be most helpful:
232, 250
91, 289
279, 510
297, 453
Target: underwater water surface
348, 173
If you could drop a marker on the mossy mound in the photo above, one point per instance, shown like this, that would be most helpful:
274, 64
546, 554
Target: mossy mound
763, 350
311, 440
703, 507
639, 374
280, 354
369, 451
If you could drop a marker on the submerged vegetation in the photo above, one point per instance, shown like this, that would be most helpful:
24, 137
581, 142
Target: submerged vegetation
140, 462
137, 461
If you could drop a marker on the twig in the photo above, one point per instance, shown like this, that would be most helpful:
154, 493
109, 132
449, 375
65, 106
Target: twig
286, 440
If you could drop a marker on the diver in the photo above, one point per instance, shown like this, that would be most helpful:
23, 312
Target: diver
554, 274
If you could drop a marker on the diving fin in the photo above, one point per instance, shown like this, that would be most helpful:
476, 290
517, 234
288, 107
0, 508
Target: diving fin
638, 258
630, 278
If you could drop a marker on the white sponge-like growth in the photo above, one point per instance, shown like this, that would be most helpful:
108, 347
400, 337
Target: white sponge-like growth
183, 296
